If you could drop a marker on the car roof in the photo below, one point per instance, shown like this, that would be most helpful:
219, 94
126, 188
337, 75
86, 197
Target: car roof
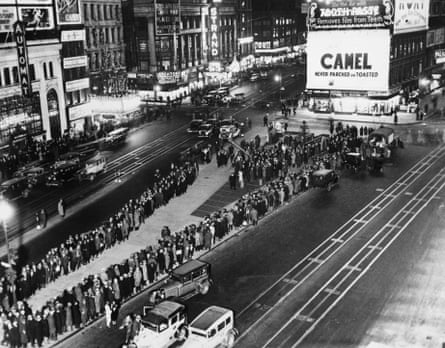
208, 317
165, 309
322, 172
383, 131
64, 164
196, 120
188, 267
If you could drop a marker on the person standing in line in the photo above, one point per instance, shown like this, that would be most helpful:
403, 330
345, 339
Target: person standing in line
61, 207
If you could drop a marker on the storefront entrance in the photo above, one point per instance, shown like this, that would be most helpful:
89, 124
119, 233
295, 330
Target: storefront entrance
54, 114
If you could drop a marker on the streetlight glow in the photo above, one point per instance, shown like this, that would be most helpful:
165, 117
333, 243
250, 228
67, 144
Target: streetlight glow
6, 210
277, 78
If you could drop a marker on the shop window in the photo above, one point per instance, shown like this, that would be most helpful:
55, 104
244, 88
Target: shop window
15, 75
6, 76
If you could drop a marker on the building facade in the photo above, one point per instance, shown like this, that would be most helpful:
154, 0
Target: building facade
182, 45
39, 114
105, 46
275, 30
367, 60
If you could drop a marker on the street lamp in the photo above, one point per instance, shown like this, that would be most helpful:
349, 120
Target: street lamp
6, 212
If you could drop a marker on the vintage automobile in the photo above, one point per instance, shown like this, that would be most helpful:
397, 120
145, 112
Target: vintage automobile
63, 172
194, 125
185, 281
324, 178
375, 161
213, 328
205, 130
353, 161
254, 77
116, 137
15, 188
162, 325
94, 166
383, 140
37, 175
229, 132
71, 156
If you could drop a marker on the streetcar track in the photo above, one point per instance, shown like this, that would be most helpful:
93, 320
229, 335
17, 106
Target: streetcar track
358, 265
337, 240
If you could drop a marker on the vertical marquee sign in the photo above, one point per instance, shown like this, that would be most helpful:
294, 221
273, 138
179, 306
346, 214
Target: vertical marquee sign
214, 40
22, 54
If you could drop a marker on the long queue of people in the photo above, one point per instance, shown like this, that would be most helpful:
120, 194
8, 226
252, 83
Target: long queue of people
103, 293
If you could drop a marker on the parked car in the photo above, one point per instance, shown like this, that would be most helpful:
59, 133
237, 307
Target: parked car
213, 328
205, 130
194, 126
63, 172
324, 178
15, 188
162, 325
230, 129
71, 156
185, 281
37, 175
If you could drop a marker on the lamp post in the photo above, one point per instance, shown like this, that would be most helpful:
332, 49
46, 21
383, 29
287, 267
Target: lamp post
6, 212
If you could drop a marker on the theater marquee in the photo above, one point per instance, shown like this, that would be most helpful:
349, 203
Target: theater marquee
349, 14
354, 60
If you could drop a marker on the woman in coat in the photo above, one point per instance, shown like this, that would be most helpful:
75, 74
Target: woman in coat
69, 316
40, 329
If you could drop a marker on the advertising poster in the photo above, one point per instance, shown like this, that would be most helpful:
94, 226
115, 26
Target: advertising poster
350, 14
37, 18
411, 15
354, 60
68, 12
8, 17
167, 18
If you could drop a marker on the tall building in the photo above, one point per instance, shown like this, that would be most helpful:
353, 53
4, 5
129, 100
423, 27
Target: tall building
275, 30
176, 46
434, 71
105, 46
32, 103
366, 58
75, 66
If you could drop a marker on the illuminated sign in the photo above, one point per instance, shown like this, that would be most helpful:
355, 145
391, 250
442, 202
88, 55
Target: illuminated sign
167, 18
75, 62
76, 85
411, 15
214, 40
37, 18
435, 37
355, 60
68, 12
439, 55
8, 17
72, 35
166, 77
22, 54
348, 14
245, 40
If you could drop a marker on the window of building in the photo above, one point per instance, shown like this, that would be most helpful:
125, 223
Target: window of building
32, 72
6, 76
45, 71
92, 13
85, 12
117, 10
15, 75
51, 69
99, 14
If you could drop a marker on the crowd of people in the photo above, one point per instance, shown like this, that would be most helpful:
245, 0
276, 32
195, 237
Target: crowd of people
276, 167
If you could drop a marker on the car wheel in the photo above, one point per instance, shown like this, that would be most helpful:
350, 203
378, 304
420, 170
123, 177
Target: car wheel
329, 187
230, 339
204, 287
182, 333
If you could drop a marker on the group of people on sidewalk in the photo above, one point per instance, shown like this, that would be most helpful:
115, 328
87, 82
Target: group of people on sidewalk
82, 248
277, 166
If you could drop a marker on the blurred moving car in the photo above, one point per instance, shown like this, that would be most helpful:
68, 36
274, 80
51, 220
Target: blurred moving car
116, 137
254, 77
94, 166
214, 327
194, 126
230, 129
162, 325
37, 175
205, 130
15, 188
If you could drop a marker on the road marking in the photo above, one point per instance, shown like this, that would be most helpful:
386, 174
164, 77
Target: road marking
375, 247
375, 207
392, 226
337, 240
304, 318
407, 212
332, 291
290, 280
315, 260
353, 268
408, 193
360, 221
379, 189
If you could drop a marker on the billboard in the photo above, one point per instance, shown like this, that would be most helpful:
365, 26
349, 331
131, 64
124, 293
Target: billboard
22, 55
37, 18
68, 12
411, 15
8, 16
167, 18
439, 56
349, 14
355, 60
